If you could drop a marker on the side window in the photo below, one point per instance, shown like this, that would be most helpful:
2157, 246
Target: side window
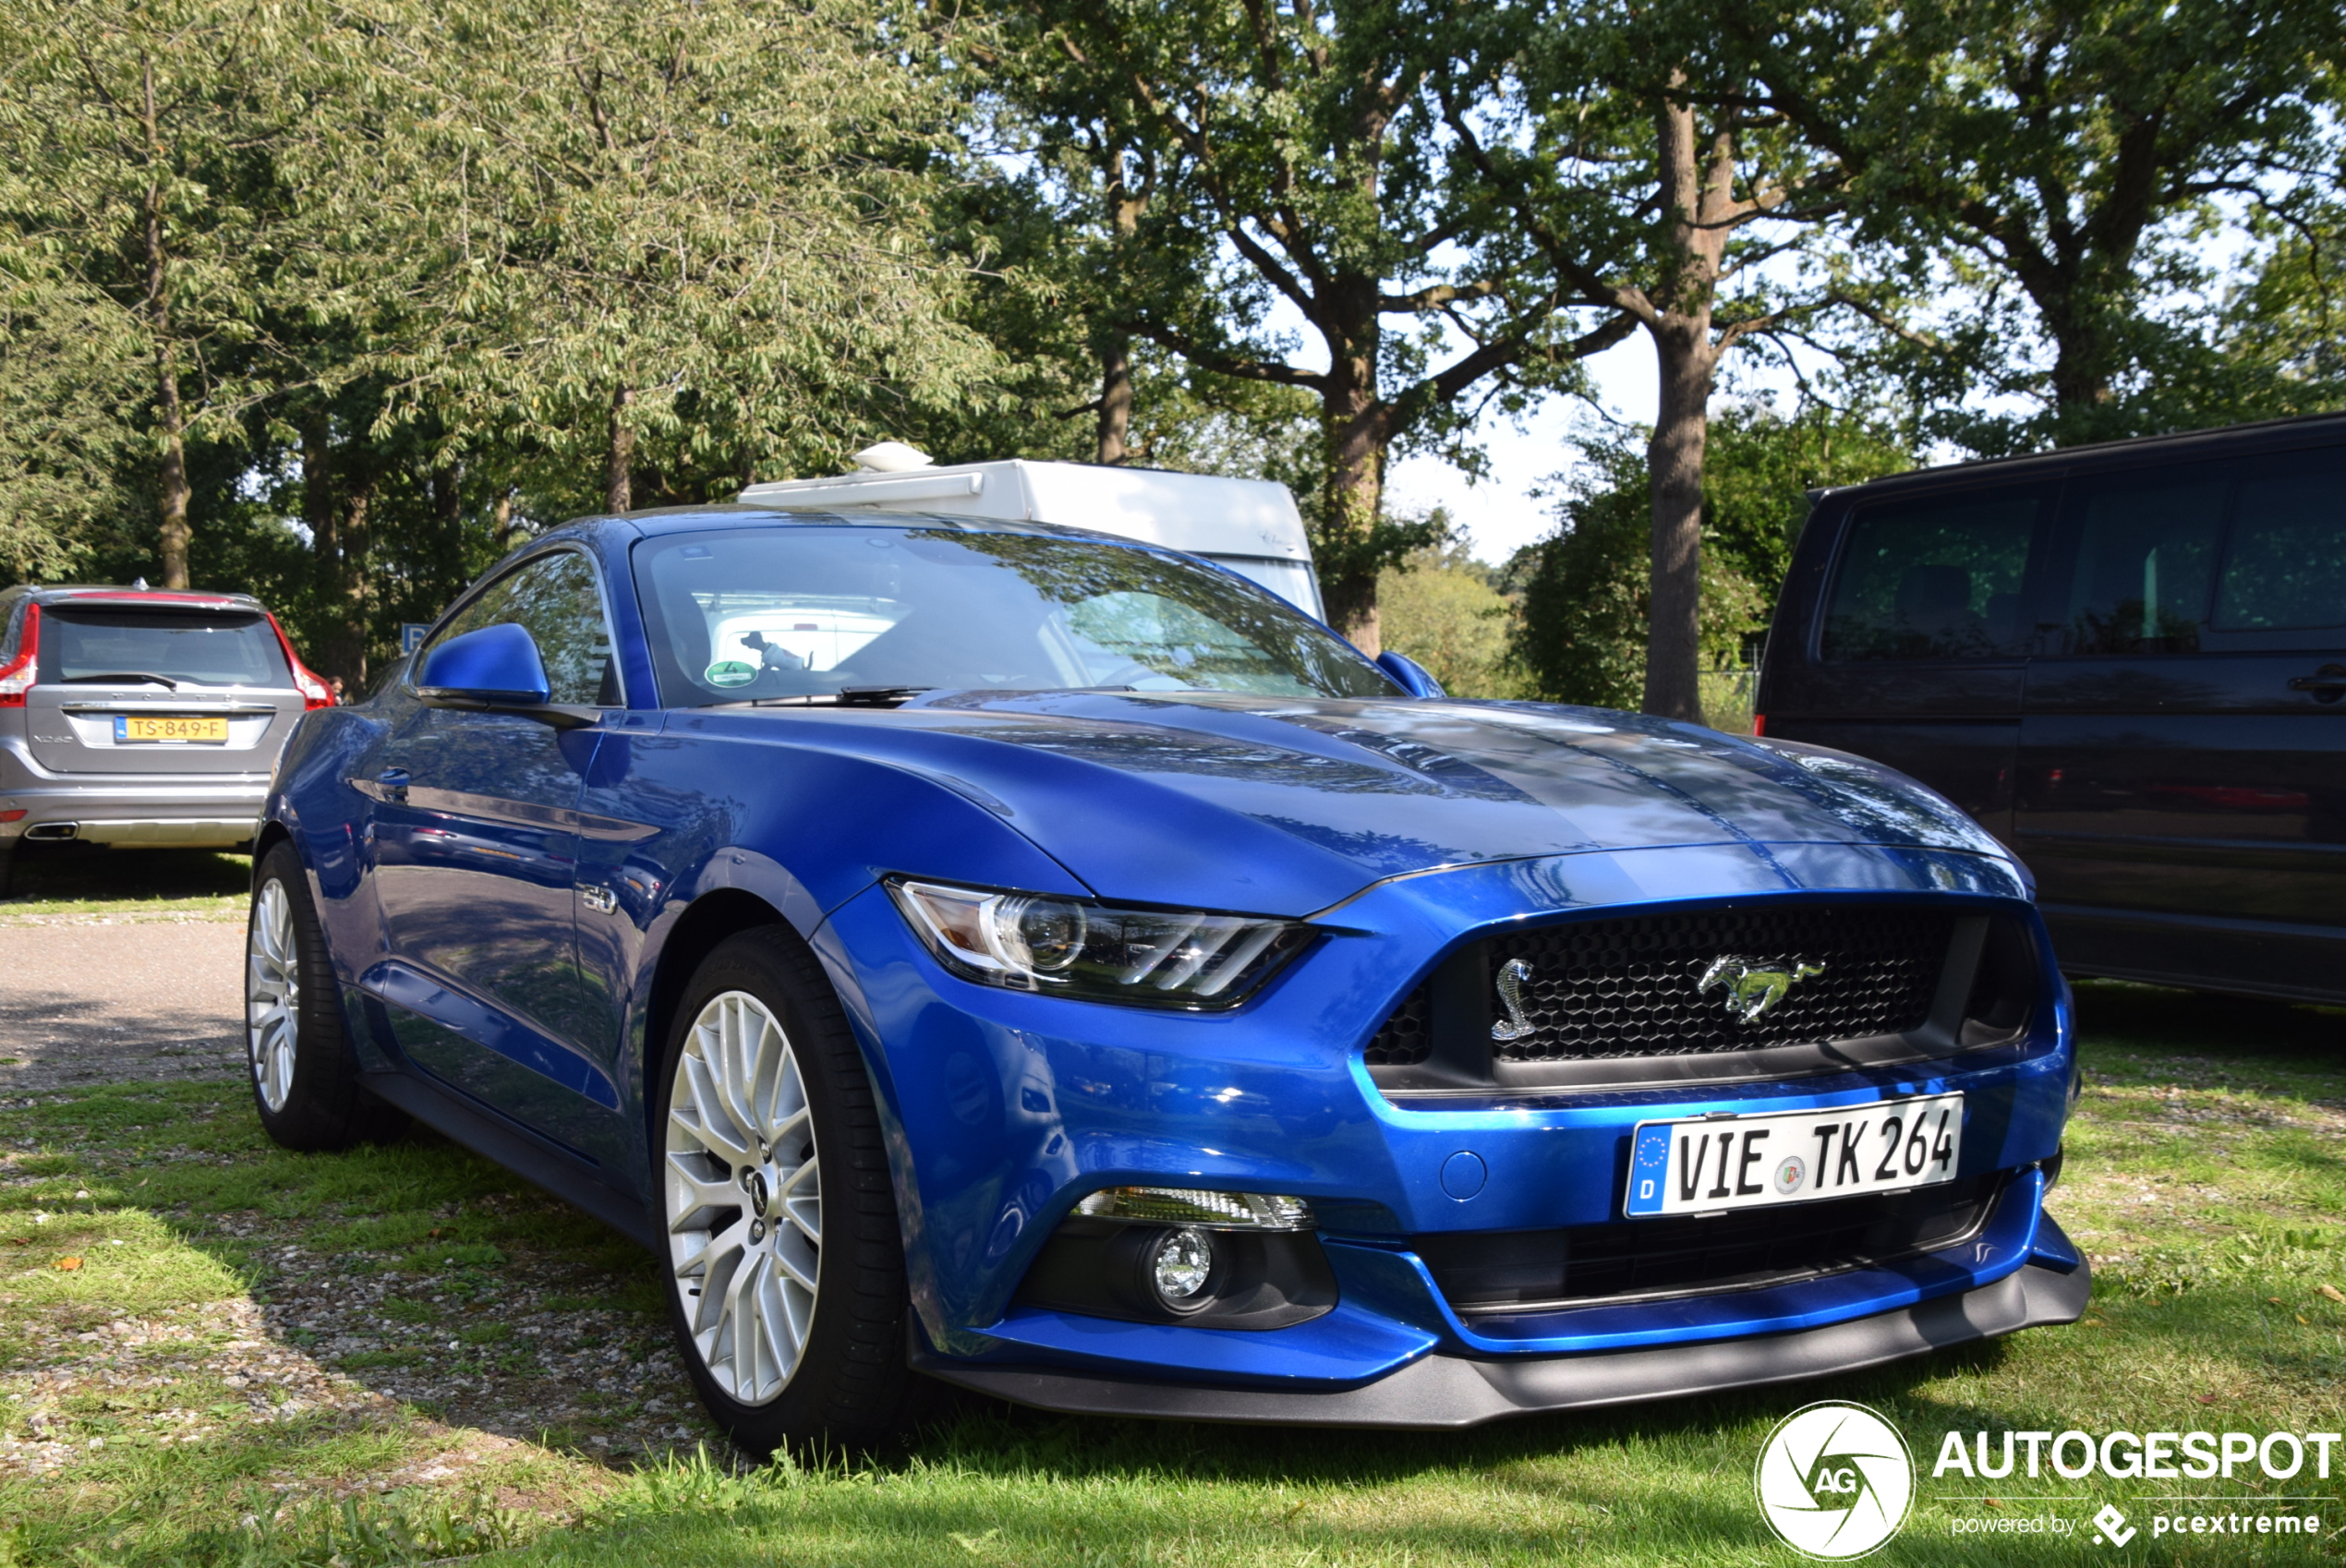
555, 599
1938, 577
2144, 560
2286, 567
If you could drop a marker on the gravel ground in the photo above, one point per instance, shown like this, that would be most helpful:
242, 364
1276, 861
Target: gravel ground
88, 999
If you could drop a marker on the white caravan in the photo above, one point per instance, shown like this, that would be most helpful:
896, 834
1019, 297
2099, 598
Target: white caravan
1249, 525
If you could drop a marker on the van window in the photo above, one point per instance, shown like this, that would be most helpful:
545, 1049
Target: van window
2145, 560
1935, 578
2286, 568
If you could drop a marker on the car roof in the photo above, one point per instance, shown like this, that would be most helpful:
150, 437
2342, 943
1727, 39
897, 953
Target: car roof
2302, 429
120, 597
653, 522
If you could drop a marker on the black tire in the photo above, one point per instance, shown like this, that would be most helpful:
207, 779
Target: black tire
323, 1104
849, 1387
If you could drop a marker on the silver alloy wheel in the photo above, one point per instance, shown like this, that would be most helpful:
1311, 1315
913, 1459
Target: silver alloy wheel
273, 994
745, 1202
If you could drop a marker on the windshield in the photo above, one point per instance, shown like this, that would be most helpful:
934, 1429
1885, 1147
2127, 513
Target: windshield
810, 612
204, 647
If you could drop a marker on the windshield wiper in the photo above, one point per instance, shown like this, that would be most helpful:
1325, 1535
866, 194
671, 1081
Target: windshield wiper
124, 675
846, 696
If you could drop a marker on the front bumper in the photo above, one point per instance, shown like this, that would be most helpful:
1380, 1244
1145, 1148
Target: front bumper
1007, 1109
1449, 1389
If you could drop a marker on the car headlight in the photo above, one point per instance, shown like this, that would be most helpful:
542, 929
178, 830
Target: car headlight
1098, 952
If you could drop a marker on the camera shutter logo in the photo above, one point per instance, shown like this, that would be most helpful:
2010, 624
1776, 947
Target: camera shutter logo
1834, 1481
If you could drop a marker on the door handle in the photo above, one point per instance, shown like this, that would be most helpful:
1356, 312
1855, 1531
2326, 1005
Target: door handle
2328, 684
394, 783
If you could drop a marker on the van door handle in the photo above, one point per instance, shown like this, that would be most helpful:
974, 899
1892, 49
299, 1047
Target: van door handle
394, 783
2328, 684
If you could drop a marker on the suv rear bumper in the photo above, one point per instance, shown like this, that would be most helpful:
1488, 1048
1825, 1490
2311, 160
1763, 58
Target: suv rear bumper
193, 809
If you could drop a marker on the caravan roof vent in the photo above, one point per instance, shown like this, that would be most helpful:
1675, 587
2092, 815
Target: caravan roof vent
891, 457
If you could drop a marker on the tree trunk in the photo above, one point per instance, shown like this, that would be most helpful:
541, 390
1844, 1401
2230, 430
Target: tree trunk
619, 471
2081, 377
501, 523
350, 606
324, 517
173, 491
170, 424
1674, 468
1116, 398
1355, 501
1359, 428
1696, 187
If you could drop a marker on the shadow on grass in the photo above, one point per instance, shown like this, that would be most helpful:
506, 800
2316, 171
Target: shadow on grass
76, 873
2211, 1026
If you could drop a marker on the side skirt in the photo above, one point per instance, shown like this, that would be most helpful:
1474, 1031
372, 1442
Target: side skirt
495, 1139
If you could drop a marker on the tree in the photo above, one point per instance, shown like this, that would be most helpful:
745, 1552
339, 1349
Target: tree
1583, 633
139, 202
1292, 158
1618, 142
689, 245
1440, 607
2072, 150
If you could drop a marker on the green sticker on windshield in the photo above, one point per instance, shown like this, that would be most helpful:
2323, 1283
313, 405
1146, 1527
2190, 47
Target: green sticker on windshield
730, 672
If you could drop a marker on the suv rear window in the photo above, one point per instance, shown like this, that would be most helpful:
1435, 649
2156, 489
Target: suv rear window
206, 647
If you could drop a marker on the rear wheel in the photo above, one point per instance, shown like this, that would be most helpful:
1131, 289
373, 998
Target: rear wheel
785, 1266
304, 1075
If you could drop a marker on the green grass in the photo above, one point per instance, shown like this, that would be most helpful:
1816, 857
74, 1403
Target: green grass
2206, 1175
83, 879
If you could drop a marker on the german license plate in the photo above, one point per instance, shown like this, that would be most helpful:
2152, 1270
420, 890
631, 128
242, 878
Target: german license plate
168, 727
1717, 1163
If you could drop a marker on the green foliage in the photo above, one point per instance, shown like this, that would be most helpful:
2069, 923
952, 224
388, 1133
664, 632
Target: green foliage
2042, 176
1442, 608
1761, 465
1582, 634
1217, 162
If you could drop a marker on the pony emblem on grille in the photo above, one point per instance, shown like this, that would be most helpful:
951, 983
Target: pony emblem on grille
1512, 974
1753, 984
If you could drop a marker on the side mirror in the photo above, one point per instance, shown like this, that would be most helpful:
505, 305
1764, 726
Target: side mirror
495, 670
1411, 675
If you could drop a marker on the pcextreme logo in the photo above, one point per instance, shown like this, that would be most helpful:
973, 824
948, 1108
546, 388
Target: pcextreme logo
1834, 1481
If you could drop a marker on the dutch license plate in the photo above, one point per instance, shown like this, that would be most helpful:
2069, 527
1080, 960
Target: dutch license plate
166, 727
1711, 1163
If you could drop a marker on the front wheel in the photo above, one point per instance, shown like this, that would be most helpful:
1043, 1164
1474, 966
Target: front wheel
305, 1076
785, 1267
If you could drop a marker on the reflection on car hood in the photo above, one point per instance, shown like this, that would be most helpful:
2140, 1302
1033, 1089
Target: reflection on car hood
1158, 798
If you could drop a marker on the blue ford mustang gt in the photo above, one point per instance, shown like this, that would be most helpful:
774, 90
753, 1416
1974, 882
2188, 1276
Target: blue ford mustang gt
1056, 966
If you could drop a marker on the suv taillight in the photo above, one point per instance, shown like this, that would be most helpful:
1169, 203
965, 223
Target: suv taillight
315, 692
17, 675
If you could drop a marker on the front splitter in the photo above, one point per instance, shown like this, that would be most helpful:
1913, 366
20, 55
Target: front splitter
1458, 1391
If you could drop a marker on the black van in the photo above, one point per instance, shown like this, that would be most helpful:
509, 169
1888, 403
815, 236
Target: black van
2129, 662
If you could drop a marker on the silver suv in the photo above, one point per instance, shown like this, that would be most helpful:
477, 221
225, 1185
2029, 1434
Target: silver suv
137, 716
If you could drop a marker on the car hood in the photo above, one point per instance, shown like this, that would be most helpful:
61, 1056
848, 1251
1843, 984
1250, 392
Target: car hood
1286, 806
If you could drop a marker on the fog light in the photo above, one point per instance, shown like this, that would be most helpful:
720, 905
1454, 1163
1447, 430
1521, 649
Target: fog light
1180, 1265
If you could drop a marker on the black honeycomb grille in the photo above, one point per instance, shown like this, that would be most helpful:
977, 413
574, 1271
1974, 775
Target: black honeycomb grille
1407, 1038
1630, 987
